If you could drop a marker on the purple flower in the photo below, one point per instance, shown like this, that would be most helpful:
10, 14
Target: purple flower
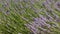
48, 1
47, 6
56, 5
39, 22
34, 30
31, 1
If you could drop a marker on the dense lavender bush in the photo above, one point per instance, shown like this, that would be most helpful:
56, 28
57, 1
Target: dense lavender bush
29, 17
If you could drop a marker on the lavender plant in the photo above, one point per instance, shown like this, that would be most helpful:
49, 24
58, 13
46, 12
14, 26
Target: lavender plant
29, 17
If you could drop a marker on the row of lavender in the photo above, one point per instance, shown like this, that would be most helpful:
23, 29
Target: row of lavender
48, 24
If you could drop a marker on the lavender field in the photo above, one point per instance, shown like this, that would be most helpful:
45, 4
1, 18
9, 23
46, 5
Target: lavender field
29, 16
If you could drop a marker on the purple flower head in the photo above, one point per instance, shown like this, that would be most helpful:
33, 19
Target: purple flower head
57, 6
31, 28
39, 22
47, 6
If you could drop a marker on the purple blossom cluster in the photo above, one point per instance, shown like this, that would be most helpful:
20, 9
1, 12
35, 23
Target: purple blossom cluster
38, 23
57, 6
42, 21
